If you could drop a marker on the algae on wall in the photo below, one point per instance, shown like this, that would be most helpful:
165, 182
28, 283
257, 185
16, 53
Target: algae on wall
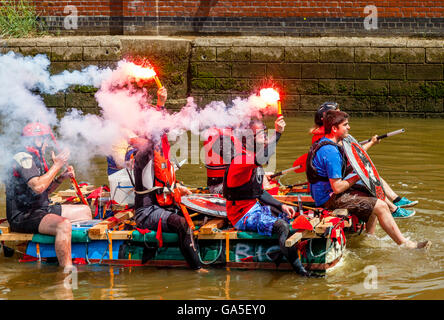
374, 77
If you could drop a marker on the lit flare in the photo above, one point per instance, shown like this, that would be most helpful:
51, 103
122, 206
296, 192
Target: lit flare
271, 97
143, 73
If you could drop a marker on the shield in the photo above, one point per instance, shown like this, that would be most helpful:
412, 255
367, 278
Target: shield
363, 166
207, 204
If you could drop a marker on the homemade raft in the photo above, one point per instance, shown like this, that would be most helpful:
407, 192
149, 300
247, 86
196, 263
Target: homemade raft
115, 240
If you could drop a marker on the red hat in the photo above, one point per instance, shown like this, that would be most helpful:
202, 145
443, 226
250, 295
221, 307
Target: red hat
35, 129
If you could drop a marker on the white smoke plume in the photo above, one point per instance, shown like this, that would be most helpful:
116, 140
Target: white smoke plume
125, 107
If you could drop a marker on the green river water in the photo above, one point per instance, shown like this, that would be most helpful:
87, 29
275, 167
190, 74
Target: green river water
412, 163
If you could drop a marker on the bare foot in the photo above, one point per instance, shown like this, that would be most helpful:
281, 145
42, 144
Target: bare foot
202, 270
426, 244
417, 245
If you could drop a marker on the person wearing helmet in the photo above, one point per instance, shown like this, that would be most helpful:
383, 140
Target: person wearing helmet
331, 188
31, 180
220, 145
396, 203
249, 207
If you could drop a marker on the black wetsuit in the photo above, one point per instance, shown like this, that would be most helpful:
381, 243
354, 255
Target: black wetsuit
25, 209
148, 212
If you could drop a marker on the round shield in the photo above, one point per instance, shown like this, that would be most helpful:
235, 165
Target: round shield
207, 204
363, 166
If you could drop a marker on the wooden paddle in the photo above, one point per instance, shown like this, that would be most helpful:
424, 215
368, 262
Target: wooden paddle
383, 136
73, 180
302, 159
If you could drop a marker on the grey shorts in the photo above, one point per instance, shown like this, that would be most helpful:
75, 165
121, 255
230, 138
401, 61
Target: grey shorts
358, 203
148, 217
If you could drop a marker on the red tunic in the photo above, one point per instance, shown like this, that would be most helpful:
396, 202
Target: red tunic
239, 173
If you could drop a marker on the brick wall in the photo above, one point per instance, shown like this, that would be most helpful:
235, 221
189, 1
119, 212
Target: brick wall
368, 76
261, 17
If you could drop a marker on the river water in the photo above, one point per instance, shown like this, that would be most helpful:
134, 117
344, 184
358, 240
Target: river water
371, 268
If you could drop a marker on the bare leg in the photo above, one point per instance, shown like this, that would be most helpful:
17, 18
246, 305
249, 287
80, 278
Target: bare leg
388, 191
370, 226
387, 222
75, 213
389, 225
59, 227
390, 204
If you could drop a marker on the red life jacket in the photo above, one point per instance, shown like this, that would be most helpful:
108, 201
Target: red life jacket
41, 157
164, 175
317, 134
214, 159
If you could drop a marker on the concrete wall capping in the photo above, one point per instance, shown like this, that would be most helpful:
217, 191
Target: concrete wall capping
389, 42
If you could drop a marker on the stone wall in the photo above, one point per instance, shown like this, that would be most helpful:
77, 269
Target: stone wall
367, 76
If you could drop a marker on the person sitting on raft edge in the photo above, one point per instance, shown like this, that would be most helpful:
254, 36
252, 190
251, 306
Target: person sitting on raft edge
157, 196
29, 184
396, 203
247, 203
330, 189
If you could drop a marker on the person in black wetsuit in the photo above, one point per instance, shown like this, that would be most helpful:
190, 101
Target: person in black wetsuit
28, 186
157, 194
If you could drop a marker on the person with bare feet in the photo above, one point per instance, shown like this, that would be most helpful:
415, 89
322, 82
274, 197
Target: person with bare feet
396, 203
29, 185
326, 166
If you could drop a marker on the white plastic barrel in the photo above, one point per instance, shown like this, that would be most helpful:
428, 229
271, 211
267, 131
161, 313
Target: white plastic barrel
120, 186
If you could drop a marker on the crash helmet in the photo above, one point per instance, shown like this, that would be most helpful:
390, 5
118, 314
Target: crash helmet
322, 109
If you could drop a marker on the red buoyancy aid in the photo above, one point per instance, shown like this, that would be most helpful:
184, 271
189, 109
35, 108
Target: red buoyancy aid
317, 134
164, 174
40, 156
214, 161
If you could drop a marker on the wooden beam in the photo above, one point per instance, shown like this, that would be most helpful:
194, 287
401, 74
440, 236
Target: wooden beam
218, 235
15, 236
120, 216
72, 193
293, 239
96, 231
4, 227
314, 222
115, 235
212, 226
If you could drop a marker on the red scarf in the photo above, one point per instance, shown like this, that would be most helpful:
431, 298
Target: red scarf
41, 157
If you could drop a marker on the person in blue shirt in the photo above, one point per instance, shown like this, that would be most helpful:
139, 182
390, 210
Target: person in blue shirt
396, 203
331, 188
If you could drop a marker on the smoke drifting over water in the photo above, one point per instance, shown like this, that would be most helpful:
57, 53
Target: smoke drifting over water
125, 109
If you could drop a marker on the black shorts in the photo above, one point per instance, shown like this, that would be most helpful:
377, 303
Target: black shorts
29, 222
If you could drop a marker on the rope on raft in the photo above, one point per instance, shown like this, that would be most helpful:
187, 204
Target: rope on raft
215, 259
